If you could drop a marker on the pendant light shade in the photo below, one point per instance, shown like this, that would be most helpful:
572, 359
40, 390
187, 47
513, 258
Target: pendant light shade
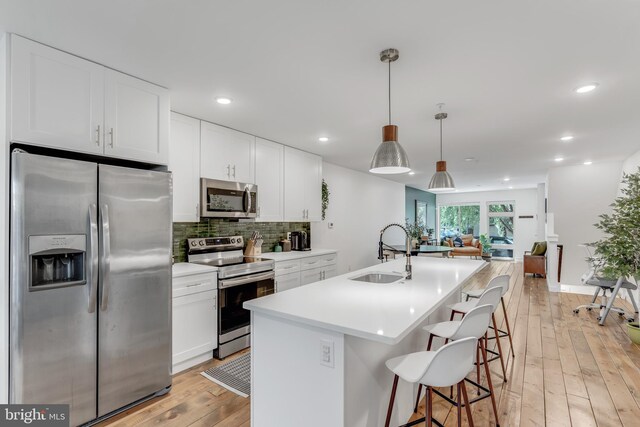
390, 157
441, 180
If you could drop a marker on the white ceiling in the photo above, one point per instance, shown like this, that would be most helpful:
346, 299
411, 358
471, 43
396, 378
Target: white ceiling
299, 69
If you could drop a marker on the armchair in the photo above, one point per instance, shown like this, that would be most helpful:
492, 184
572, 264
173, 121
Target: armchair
471, 246
535, 260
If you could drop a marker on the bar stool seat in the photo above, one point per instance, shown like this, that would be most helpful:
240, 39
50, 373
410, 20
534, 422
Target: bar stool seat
443, 329
410, 367
464, 306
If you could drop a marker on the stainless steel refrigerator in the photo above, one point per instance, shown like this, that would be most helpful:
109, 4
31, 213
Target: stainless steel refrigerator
90, 316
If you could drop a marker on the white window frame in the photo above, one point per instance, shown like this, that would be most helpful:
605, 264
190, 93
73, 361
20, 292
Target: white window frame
502, 214
440, 205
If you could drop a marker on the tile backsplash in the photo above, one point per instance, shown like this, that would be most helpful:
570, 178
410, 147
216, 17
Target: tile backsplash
272, 232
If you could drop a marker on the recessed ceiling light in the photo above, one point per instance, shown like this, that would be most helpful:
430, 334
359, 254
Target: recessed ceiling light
222, 100
566, 138
507, 179
588, 162
586, 88
511, 187
323, 139
412, 173
558, 159
469, 159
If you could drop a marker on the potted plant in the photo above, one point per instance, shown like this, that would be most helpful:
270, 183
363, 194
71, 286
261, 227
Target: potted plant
619, 251
485, 241
416, 230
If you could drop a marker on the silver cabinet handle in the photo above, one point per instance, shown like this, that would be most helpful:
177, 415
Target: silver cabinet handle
93, 265
321, 275
98, 135
197, 209
324, 275
229, 171
247, 198
234, 171
111, 135
106, 257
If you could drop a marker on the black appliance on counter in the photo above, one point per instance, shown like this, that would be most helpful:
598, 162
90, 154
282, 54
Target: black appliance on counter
300, 241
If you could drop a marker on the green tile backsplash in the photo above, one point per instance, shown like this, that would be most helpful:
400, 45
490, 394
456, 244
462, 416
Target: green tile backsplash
272, 232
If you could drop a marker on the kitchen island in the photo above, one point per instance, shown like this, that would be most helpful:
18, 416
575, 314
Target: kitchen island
318, 351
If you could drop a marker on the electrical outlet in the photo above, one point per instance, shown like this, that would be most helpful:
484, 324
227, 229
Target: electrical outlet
326, 353
288, 235
330, 225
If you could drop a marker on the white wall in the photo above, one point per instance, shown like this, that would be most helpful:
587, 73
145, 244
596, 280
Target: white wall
360, 204
526, 203
576, 196
4, 226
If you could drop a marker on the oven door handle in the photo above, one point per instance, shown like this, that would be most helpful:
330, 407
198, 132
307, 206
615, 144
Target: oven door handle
229, 283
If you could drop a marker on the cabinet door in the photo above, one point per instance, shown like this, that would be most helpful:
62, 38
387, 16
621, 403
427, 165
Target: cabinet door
241, 153
136, 119
330, 271
294, 184
310, 276
313, 187
194, 326
214, 152
184, 163
57, 99
270, 180
287, 281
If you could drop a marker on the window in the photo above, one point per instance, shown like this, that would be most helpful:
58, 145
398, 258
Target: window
501, 227
459, 219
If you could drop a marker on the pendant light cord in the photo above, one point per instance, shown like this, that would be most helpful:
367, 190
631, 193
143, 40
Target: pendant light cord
440, 139
389, 92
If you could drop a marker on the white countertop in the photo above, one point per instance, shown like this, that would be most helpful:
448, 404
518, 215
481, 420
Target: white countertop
186, 269
378, 312
287, 256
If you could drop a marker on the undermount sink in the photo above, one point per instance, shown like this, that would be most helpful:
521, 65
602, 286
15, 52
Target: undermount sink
378, 277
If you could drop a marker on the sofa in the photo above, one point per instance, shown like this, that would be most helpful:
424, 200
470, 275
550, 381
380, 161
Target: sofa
535, 260
471, 246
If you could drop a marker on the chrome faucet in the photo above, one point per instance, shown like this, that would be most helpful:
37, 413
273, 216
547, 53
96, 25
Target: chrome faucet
408, 248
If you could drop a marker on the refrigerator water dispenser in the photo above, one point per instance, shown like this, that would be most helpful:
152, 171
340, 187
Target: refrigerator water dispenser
56, 261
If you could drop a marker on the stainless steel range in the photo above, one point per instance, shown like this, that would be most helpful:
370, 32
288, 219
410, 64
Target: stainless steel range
240, 279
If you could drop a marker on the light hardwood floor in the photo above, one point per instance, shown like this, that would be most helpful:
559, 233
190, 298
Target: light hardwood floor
567, 371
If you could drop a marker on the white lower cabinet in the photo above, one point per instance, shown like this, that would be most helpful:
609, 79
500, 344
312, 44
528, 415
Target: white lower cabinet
304, 270
287, 281
195, 320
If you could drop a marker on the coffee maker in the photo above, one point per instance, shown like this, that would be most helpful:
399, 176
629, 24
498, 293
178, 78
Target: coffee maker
300, 241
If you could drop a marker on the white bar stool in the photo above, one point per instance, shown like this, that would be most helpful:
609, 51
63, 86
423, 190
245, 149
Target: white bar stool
475, 324
489, 296
498, 281
443, 368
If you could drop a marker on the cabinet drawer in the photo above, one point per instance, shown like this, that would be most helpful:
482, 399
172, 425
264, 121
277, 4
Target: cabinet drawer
287, 267
195, 283
287, 281
329, 259
311, 262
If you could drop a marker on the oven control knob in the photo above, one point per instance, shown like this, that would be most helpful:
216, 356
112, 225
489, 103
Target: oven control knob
233, 240
201, 242
239, 240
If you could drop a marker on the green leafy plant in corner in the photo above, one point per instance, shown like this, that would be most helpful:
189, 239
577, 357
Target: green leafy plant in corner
620, 249
415, 229
325, 198
485, 241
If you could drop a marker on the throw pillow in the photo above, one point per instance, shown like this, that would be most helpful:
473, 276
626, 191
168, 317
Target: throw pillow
474, 243
466, 239
539, 249
457, 242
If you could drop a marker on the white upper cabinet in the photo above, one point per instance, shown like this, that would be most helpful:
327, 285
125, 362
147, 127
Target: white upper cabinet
269, 177
136, 119
226, 154
57, 99
62, 101
302, 185
184, 163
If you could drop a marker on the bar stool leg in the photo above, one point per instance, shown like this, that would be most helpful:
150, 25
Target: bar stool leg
415, 408
489, 382
478, 364
429, 407
465, 397
393, 397
459, 408
506, 320
495, 329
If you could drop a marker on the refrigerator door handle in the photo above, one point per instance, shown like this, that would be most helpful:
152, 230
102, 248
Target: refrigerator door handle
93, 264
106, 256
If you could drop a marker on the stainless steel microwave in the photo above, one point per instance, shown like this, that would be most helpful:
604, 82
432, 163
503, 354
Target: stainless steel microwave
226, 199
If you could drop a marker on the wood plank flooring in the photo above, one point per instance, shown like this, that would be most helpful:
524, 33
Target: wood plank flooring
567, 371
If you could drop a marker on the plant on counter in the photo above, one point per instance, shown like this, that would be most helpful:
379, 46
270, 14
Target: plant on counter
485, 241
415, 229
620, 250
325, 198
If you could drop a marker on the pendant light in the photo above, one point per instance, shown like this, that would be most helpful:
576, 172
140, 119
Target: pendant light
441, 180
390, 157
